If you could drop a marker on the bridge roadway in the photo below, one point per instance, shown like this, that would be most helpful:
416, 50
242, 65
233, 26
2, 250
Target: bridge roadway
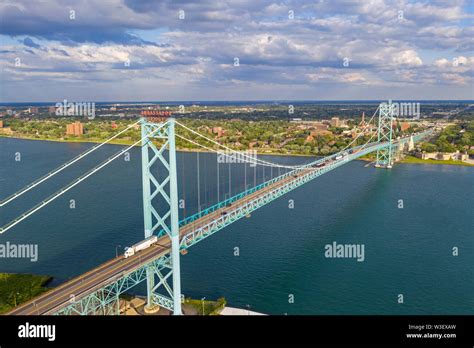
108, 272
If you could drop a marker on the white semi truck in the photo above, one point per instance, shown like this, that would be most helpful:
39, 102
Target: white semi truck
146, 243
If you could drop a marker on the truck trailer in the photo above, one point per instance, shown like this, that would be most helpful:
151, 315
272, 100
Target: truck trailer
146, 243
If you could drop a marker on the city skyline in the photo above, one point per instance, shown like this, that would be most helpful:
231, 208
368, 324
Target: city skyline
124, 50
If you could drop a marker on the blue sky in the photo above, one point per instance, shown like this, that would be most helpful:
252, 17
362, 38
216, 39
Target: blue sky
127, 50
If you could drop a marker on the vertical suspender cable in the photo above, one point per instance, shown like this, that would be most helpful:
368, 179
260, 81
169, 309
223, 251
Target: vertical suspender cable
205, 189
245, 176
183, 176
255, 176
230, 179
198, 184
218, 177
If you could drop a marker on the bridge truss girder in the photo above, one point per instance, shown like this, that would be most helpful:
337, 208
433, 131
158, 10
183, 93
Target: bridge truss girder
105, 299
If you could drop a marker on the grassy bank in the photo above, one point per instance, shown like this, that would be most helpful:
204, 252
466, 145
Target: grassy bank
206, 307
19, 288
71, 140
412, 159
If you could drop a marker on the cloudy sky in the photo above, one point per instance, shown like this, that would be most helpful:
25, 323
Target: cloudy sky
152, 50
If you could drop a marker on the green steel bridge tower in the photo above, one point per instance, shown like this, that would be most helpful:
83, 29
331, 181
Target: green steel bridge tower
385, 131
160, 210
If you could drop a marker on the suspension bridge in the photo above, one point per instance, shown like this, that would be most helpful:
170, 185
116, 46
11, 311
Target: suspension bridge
97, 291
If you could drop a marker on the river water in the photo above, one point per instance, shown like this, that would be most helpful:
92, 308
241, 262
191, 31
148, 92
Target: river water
274, 262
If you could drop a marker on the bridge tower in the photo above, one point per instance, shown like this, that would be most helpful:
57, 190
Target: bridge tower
411, 144
384, 155
160, 209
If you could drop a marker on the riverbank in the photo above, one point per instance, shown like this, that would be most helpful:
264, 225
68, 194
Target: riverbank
130, 142
19, 288
407, 159
415, 160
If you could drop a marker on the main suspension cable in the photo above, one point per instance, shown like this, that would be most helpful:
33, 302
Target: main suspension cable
60, 168
263, 163
73, 183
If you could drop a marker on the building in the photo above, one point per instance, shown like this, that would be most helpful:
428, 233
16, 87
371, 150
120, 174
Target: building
443, 156
52, 109
32, 110
404, 126
218, 130
335, 122
320, 131
348, 133
1, 124
75, 129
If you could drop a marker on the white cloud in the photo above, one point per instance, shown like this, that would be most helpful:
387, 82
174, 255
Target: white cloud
273, 50
407, 57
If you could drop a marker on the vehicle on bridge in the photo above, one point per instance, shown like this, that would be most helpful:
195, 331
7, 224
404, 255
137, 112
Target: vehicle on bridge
343, 155
144, 244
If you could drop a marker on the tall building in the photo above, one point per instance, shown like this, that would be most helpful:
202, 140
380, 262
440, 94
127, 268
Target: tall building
75, 129
363, 118
1, 124
335, 122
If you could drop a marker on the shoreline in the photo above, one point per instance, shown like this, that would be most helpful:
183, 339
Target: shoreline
125, 143
411, 160
415, 160
19, 288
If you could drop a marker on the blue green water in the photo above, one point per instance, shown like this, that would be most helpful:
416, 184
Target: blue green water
281, 250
